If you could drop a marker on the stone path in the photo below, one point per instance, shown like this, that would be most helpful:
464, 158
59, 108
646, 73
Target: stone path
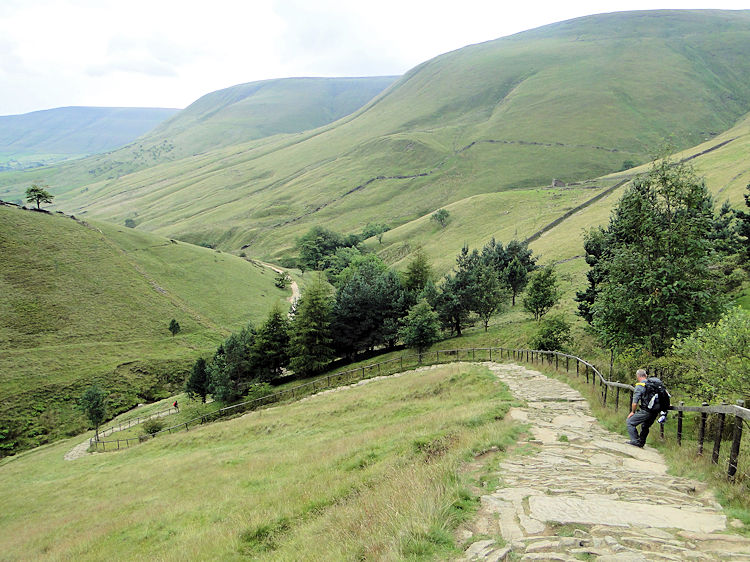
584, 494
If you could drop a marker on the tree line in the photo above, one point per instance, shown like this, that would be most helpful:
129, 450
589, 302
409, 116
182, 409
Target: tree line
358, 304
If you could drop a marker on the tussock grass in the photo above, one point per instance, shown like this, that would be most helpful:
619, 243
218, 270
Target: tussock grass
364, 473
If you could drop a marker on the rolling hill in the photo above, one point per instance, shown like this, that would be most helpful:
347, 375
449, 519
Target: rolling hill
92, 302
571, 101
237, 114
43, 137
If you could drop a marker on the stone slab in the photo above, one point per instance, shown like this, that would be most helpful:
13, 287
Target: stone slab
606, 511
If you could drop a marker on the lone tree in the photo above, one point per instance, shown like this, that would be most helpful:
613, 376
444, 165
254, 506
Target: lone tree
94, 405
174, 327
441, 217
38, 194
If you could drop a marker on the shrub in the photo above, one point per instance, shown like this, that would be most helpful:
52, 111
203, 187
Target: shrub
553, 334
152, 426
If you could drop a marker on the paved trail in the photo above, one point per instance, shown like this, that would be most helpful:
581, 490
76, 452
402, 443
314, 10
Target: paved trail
615, 500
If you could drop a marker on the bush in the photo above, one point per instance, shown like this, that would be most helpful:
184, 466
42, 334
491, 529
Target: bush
553, 334
152, 426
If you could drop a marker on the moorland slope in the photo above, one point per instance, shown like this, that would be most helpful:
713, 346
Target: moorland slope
233, 115
572, 101
41, 137
92, 302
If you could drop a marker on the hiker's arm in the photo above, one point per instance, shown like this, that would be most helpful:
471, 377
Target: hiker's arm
633, 409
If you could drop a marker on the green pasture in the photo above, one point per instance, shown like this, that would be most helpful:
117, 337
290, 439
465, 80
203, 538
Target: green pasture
365, 473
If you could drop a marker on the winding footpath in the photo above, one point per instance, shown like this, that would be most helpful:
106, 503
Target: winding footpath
614, 501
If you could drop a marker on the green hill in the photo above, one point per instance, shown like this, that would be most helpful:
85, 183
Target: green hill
237, 114
42, 137
570, 101
84, 303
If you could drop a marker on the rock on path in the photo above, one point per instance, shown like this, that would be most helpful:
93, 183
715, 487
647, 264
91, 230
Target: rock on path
615, 501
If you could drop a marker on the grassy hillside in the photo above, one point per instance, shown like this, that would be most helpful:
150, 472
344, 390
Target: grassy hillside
92, 303
42, 137
570, 101
321, 479
520, 213
234, 115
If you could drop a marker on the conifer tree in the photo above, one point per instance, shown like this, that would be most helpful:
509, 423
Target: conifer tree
271, 347
197, 382
542, 293
311, 342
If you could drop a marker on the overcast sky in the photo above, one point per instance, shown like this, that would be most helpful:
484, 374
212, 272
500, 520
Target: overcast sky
168, 53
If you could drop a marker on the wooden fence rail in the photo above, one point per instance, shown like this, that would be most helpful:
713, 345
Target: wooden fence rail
610, 394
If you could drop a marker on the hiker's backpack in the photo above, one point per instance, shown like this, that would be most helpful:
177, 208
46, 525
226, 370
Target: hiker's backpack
655, 397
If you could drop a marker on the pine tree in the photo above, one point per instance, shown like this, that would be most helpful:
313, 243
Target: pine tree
271, 347
311, 342
197, 382
418, 271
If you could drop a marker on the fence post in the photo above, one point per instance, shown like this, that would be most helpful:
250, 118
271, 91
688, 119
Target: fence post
557, 361
606, 387
490, 354
577, 364
702, 430
587, 374
736, 439
717, 441
617, 399
679, 426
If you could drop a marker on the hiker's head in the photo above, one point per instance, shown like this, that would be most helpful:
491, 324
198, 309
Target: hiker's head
641, 374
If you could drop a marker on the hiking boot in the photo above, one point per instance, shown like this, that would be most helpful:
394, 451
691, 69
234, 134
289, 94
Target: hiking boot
635, 444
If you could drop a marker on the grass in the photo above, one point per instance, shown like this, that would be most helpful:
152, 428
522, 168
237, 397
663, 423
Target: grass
83, 305
321, 479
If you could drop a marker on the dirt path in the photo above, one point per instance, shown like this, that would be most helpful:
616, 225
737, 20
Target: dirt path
295, 288
81, 450
612, 501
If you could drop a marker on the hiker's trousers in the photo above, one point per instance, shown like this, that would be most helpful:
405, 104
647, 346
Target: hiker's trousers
645, 419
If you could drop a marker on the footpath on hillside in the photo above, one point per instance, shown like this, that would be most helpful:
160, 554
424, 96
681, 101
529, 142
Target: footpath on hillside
615, 501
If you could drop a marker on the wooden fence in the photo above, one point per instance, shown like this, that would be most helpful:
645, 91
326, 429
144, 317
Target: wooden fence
612, 393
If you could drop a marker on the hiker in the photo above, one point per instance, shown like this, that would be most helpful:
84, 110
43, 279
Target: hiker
653, 398
175, 406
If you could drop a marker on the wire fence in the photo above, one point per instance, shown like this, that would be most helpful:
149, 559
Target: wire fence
611, 392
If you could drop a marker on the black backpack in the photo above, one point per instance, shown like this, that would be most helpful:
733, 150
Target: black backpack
655, 397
